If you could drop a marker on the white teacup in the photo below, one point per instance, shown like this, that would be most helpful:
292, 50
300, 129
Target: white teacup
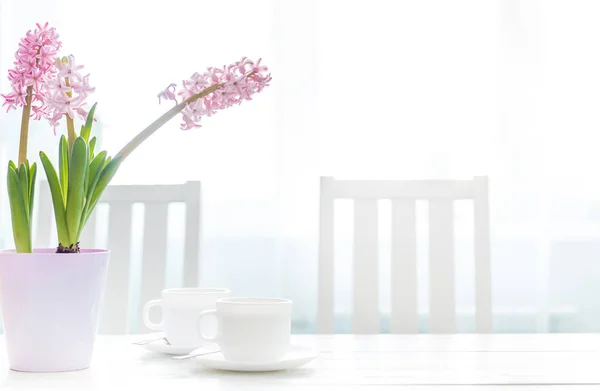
180, 310
251, 329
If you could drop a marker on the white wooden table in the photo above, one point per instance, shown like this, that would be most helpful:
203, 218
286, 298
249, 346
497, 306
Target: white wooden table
420, 362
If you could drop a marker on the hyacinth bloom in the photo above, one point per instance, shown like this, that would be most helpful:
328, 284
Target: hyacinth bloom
234, 84
68, 90
203, 94
33, 67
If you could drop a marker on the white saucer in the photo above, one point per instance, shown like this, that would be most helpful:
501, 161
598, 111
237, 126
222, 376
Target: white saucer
296, 357
161, 346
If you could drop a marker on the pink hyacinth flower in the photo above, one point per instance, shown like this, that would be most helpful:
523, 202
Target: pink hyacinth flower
33, 68
236, 83
67, 91
168, 93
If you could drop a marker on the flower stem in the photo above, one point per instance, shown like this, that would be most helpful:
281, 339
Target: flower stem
70, 125
25, 126
163, 119
70, 131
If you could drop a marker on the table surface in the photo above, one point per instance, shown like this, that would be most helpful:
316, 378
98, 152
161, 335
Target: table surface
421, 362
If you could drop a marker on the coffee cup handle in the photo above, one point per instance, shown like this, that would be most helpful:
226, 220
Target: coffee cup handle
150, 324
201, 335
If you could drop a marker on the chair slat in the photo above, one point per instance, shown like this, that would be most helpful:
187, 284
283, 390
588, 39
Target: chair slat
419, 189
483, 278
325, 316
145, 193
404, 316
116, 295
191, 262
154, 253
44, 215
441, 267
366, 286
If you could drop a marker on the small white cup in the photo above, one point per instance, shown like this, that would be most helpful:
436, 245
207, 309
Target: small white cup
250, 329
180, 310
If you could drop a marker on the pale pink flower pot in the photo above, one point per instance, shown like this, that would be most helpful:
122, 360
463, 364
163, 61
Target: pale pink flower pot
50, 306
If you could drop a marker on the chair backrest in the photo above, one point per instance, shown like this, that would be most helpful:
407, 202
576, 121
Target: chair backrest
441, 195
120, 199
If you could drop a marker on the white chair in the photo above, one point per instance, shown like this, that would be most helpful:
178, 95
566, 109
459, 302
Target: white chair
403, 194
156, 199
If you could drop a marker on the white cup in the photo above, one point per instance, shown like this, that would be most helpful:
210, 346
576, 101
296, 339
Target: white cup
180, 310
250, 329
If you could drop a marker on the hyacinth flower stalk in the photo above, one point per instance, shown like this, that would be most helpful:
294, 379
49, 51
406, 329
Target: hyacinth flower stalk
33, 67
204, 94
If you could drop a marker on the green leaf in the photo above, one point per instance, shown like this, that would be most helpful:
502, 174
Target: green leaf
96, 167
32, 176
108, 172
63, 166
85, 130
94, 172
18, 212
78, 167
12, 165
57, 200
86, 180
92, 146
24, 184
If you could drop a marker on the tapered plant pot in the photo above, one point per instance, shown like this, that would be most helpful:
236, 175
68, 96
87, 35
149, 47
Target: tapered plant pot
50, 306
